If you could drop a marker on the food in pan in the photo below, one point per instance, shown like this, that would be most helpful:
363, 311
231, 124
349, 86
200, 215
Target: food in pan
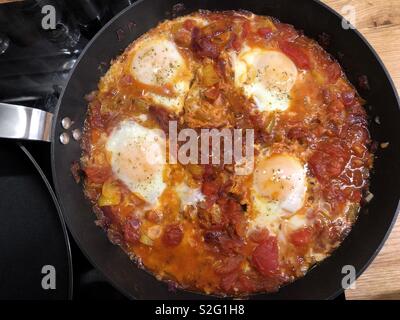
202, 226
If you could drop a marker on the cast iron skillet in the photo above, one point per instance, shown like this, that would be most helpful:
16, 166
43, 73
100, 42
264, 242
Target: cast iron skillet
357, 58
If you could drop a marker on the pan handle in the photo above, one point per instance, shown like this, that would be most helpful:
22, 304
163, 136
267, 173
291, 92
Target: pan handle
19, 122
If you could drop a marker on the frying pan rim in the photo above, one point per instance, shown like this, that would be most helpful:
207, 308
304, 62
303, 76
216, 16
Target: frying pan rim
54, 140
388, 76
56, 203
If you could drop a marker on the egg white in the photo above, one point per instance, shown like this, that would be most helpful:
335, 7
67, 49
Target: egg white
157, 62
188, 196
138, 159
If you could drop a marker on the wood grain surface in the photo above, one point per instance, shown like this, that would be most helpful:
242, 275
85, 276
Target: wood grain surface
379, 22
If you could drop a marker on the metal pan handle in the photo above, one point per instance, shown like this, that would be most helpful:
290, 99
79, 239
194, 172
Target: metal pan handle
18, 122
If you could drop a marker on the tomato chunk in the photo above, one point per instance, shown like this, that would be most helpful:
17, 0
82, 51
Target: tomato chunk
212, 93
264, 32
246, 28
95, 118
259, 236
183, 37
189, 24
328, 161
210, 189
228, 265
301, 237
348, 98
236, 42
333, 72
265, 257
132, 231
173, 235
98, 174
228, 281
295, 53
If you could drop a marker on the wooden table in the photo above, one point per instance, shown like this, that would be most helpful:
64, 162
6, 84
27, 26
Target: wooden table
379, 22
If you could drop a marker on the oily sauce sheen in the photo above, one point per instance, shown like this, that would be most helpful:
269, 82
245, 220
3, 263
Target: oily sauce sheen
202, 227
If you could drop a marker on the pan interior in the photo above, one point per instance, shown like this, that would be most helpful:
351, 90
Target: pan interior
355, 56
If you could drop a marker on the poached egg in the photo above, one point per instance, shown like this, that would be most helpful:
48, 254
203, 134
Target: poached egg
138, 159
266, 76
278, 191
165, 73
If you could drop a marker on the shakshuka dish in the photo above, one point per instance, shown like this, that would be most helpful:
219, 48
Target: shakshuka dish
201, 226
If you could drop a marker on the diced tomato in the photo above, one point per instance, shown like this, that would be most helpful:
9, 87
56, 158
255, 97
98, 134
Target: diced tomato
324, 166
295, 53
333, 193
96, 119
236, 42
208, 173
213, 237
183, 38
287, 32
336, 106
264, 32
297, 133
229, 206
161, 115
245, 284
348, 98
333, 72
228, 265
126, 80
173, 235
336, 115
265, 257
203, 45
246, 29
189, 24
109, 216
301, 237
229, 245
357, 136
234, 212
212, 93
153, 216
132, 231
125, 210
356, 196
228, 281
328, 161
97, 174
210, 189
259, 236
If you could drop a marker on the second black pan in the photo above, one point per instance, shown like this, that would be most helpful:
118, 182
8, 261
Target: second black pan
354, 54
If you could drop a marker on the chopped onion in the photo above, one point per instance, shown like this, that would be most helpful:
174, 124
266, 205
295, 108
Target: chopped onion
146, 240
368, 197
384, 145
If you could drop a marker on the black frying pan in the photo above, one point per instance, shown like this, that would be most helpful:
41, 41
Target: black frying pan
354, 54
